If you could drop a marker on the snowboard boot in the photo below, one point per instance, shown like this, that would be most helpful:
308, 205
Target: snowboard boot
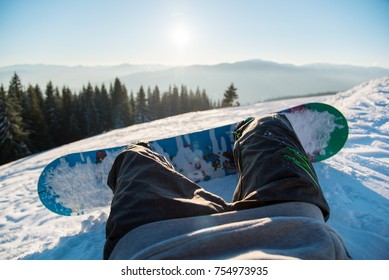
241, 127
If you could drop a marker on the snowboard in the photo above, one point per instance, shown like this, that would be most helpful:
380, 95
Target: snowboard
75, 184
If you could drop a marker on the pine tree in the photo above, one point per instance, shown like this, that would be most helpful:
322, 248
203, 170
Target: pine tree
206, 103
230, 96
197, 100
132, 108
175, 101
154, 104
184, 100
52, 114
89, 124
166, 104
15, 91
128, 110
115, 93
141, 110
103, 108
74, 129
67, 114
18, 99
121, 109
13, 137
35, 120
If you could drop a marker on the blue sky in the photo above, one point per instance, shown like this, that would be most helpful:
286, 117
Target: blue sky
173, 32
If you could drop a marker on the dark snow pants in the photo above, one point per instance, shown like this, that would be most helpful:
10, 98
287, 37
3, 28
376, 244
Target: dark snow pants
272, 167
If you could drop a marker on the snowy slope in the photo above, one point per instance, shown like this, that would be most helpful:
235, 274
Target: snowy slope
355, 181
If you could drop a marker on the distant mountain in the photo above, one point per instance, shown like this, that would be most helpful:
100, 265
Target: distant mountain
256, 80
74, 77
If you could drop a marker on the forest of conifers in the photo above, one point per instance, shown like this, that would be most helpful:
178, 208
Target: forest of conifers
34, 119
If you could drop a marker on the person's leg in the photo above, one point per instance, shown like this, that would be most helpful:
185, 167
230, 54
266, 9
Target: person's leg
147, 189
273, 166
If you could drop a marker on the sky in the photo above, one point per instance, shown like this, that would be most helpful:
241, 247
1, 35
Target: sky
187, 32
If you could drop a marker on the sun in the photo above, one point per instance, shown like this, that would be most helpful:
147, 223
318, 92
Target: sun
180, 36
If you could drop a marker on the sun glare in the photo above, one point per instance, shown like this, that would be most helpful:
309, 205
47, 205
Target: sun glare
180, 36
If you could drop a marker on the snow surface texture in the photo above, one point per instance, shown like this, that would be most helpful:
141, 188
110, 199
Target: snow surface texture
312, 140
355, 181
96, 193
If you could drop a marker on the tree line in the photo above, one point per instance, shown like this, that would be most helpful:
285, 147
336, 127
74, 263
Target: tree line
32, 120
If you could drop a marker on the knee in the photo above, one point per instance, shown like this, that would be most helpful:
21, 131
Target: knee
130, 152
132, 158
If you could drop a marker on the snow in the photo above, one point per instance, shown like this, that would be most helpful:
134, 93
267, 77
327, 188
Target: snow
96, 193
355, 181
313, 141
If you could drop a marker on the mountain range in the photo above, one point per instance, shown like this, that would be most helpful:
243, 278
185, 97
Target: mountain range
255, 80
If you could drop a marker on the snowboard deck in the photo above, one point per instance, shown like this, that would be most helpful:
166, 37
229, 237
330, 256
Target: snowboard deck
75, 184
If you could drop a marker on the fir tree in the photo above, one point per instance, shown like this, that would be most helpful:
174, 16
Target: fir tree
15, 91
121, 109
128, 110
52, 114
175, 101
89, 124
68, 111
132, 108
103, 108
13, 137
206, 103
184, 100
230, 96
154, 104
18, 98
166, 104
35, 120
197, 100
74, 129
141, 110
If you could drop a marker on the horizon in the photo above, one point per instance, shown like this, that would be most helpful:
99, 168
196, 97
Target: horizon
194, 32
190, 65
